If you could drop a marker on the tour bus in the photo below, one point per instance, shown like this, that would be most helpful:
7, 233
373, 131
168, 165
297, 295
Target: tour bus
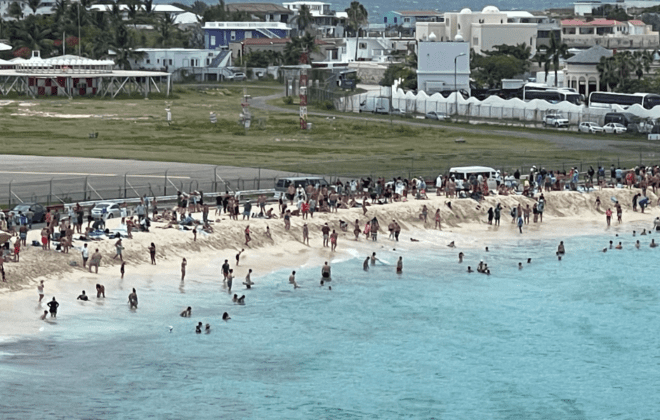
551, 94
624, 100
463, 173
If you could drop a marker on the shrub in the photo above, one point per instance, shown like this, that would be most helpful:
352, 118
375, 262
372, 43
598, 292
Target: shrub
288, 100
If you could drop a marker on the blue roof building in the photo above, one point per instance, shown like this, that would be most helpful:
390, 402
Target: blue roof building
220, 34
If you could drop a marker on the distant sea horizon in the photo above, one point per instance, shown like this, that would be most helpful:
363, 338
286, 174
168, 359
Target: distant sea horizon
378, 8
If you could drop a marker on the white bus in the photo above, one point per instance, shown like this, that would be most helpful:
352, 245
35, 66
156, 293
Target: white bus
624, 100
551, 94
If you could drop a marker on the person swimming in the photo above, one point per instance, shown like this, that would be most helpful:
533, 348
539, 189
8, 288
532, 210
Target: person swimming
520, 267
637, 244
225, 317
43, 317
643, 232
470, 270
208, 328
365, 266
653, 244
187, 312
198, 328
529, 260
241, 300
83, 296
460, 257
235, 298
451, 245
486, 249
620, 246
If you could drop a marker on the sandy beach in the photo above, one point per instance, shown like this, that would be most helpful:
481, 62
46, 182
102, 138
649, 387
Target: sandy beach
566, 213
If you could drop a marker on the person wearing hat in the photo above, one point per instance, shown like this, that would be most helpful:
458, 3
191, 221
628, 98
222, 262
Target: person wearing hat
247, 208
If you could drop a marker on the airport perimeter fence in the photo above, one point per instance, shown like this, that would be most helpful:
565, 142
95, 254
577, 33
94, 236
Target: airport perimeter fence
98, 187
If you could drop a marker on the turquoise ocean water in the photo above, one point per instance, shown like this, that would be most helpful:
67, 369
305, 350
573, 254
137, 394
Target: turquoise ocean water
570, 339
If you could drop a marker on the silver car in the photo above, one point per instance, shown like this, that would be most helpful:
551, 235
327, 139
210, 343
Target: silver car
106, 210
433, 115
615, 128
590, 127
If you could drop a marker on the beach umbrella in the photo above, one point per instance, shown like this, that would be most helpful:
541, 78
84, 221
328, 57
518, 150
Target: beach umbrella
4, 47
4, 237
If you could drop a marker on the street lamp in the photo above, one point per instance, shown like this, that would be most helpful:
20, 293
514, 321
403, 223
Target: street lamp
455, 84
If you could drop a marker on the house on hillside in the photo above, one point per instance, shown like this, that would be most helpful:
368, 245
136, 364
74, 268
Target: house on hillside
219, 34
490, 27
264, 12
241, 48
408, 18
608, 33
205, 65
327, 21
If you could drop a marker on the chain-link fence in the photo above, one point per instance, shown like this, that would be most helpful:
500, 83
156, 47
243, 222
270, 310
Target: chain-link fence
95, 187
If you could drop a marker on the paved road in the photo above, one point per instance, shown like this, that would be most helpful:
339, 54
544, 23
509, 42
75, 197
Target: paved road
32, 175
564, 141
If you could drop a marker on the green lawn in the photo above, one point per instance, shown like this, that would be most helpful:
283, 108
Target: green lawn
136, 128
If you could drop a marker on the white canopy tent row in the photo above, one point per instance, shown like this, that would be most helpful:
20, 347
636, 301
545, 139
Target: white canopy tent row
492, 107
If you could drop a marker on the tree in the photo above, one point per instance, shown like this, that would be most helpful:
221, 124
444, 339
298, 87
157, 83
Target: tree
357, 16
490, 70
166, 29
520, 51
15, 11
148, 6
28, 33
398, 71
294, 49
198, 8
304, 18
34, 5
123, 43
217, 13
554, 52
542, 60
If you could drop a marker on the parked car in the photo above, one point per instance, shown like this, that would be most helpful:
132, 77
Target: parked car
590, 127
111, 210
615, 128
398, 111
236, 76
38, 211
555, 120
440, 116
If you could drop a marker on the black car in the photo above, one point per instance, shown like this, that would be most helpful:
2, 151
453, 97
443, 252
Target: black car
38, 211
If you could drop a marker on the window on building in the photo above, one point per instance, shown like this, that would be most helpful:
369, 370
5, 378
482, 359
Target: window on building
362, 45
396, 20
271, 16
233, 35
475, 41
170, 61
406, 20
385, 19
158, 61
148, 61
213, 40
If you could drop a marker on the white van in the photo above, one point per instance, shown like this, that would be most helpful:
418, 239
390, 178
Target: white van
462, 174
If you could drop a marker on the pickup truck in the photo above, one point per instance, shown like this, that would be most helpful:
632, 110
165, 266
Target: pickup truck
555, 120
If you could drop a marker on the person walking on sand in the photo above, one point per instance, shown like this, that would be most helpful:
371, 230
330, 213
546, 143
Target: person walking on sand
118, 248
184, 263
305, 233
95, 261
608, 216
356, 230
424, 215
52, 306
40, 290
85, 255
619, 213
438, 219
152, 253
247, 235
498, 214
333, 240
326, 234
520, 223
399, 266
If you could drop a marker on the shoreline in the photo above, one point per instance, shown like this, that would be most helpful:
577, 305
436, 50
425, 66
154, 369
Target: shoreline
567, 214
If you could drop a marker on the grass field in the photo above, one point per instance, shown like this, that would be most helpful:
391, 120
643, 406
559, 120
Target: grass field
136, 128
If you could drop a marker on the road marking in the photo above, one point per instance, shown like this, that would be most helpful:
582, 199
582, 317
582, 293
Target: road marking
90, 174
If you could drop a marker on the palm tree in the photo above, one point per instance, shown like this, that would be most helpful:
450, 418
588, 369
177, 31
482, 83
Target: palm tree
29, 34
357, 16
554, 52
166, 29
304, 18
294, 49
542, 60
608, 72
123, 43
34, 5
148, 6
15, 11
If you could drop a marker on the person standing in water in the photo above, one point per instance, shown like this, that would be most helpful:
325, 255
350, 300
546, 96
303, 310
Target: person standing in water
325, 271
184, 263
292, 280
52, 306
133, 300
399, 266
365, 264
40, 290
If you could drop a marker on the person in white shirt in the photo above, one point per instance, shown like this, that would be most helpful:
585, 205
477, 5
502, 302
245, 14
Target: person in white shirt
85, 255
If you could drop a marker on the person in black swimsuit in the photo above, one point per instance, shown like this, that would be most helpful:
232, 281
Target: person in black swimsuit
53, 305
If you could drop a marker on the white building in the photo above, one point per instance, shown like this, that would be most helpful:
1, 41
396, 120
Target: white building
608, 33
485, 29
443, 66
205, 65
326, 20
